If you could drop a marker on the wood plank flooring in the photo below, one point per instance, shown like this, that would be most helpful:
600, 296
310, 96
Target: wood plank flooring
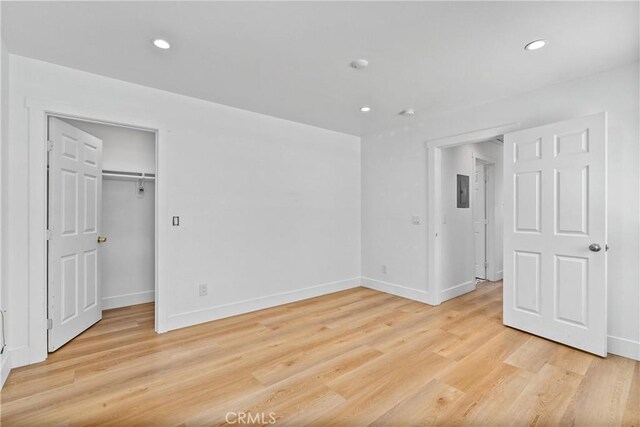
352, 358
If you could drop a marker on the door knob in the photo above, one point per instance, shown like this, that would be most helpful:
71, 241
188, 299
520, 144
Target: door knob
594, 247
102, 239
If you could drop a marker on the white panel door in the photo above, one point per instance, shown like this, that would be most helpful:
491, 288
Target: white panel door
480, 220
555, 261
75, 211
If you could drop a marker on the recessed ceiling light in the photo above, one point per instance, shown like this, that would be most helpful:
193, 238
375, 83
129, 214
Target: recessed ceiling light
365, 109
408, 112
359, 64
161, 44
535, 45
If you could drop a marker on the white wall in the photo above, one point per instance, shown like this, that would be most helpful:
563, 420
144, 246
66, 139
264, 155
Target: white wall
394, 184
393, 191
270, 209
457, 235
128, 220
128, 265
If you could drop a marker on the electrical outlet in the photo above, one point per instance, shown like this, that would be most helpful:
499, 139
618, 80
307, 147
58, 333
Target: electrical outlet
204, 290
384, 269
415, 220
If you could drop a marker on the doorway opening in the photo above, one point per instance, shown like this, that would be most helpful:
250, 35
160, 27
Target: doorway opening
554, 223
471, 242
101, 231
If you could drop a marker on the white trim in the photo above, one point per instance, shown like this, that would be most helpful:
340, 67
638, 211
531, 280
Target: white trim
38, 111
457, 290
434, 221
5, 368
19, 356
125, 300
209, 314
397, 290
623, 347
434, 197
498, 276
479, 135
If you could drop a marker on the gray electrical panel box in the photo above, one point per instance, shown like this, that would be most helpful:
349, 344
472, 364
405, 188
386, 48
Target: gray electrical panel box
463, 191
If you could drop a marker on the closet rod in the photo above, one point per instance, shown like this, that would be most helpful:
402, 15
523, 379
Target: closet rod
129, 175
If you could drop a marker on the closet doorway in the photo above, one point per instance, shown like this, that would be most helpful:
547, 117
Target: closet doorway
100, 222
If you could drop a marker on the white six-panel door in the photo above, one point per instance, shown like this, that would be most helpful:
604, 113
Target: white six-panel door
75, 211
555, 278
480, 220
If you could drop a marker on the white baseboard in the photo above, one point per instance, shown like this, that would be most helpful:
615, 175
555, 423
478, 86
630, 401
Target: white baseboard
127, 299
209, 314
498, 276
457, 290
5, 367
623, 347
397, 290
19, 356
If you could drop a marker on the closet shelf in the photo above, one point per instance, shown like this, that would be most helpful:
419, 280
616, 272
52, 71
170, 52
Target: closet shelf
127, 175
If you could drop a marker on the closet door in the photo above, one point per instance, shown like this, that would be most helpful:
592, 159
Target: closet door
75, 210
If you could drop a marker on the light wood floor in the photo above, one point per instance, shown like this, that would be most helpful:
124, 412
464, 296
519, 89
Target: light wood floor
352, 358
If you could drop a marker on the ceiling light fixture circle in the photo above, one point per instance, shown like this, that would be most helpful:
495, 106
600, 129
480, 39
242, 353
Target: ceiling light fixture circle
535, 45
408, 112
365, 109
161, 44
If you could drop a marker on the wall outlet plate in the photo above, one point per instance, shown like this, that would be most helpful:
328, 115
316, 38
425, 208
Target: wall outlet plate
203, 289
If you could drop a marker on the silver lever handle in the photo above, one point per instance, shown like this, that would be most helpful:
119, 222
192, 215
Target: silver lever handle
594, 247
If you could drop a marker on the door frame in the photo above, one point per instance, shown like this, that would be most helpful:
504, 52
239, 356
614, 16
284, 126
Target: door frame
434, 198
39, 111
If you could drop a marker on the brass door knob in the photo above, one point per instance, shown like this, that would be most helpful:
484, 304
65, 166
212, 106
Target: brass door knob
102, 239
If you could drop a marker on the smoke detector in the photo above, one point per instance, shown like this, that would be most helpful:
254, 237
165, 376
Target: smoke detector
359, 64
407, 113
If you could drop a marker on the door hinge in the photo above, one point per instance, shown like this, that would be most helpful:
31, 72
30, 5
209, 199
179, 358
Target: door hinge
49, 234
49, 324
486, 264
49, 145
486, 221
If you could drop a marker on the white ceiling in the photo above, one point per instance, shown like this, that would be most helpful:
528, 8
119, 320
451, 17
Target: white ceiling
291, 59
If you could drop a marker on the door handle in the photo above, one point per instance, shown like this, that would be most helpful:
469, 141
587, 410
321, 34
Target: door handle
102, 239
594, 247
